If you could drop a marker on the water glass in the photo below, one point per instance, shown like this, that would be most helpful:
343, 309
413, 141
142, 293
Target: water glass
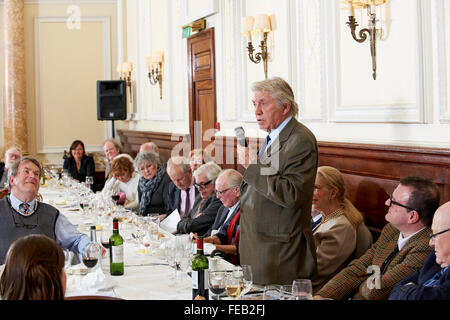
302, 289
68, 255
247, 276
89, 181
286, 292
271, 292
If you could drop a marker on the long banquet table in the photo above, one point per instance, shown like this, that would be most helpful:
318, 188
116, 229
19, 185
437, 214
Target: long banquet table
146, 277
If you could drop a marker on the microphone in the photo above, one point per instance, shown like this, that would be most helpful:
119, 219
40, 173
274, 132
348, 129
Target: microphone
240, 135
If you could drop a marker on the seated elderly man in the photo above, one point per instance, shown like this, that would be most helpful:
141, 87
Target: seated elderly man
432, 282
226, 239
112, 149
22, 214
149, 146
11, 156
401, 249
182, 192
203, 213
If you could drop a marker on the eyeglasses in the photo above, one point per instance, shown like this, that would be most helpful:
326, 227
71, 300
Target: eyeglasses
202, 184
434, 235
399, 204
218, 193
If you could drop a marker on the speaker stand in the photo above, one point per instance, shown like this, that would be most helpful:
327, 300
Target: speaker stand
112, 128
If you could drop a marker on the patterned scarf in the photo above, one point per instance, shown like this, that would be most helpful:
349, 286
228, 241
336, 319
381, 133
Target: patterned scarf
147, 187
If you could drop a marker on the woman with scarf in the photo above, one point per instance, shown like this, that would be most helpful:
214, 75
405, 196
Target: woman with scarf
153, 186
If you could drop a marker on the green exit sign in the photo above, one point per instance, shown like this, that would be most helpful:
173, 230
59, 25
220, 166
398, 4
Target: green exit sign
187, 32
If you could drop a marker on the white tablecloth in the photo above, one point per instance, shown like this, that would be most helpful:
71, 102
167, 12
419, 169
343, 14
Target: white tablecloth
145, 277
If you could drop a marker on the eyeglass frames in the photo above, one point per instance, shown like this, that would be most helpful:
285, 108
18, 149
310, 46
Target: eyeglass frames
202, 184
434, 235
392, 201
220, 192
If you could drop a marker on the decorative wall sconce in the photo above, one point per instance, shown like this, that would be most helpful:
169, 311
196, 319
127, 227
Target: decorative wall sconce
155, 64
371, 29
125, 69
252, 26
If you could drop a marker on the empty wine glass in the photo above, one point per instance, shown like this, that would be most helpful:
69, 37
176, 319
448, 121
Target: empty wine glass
89, 181
286, 292
217, 283
302, 289
271, 292
247, 277
67, 259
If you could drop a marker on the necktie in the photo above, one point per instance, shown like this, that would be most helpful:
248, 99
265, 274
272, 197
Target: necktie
434, 280
262, 148
388, 259
200, 208
187, 205
24, 208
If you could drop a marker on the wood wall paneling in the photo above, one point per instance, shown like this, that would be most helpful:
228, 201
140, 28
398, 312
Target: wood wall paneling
371, 172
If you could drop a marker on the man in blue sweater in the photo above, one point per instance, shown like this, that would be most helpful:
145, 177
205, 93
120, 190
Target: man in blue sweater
432, 281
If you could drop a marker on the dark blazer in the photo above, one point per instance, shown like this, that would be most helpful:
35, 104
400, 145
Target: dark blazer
2, 170
276, 237
87, 167
174, 197
202, 223
219, 221
160, 197
411, 287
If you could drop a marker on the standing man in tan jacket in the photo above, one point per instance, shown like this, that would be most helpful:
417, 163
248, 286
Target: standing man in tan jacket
277, 188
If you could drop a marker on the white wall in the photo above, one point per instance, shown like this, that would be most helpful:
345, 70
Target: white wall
330, 72
311, 47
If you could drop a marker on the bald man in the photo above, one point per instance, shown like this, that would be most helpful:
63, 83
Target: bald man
432, 281
149, 146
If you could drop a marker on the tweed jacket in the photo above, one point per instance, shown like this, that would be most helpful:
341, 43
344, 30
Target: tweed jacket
351, 281
276, 195
335, 240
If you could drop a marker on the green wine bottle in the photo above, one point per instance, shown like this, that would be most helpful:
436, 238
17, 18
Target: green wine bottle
200, 267
116, 251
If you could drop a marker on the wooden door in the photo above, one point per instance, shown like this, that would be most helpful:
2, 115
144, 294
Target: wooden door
202, 87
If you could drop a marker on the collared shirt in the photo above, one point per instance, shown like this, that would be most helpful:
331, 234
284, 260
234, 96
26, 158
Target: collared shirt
66, 233
230, 212
183, 199
402, 241
317, 217
276, 132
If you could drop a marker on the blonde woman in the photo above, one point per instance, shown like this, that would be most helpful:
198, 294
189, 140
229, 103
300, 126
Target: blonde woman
336, 236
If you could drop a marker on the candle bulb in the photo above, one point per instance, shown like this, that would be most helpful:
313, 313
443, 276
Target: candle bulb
351, 10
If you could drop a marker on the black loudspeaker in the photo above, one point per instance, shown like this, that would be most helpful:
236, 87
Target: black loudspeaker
111, 100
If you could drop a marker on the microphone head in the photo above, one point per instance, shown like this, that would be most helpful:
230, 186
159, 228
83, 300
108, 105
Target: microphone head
240, 135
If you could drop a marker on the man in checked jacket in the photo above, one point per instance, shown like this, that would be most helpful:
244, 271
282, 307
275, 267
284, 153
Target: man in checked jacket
401, 249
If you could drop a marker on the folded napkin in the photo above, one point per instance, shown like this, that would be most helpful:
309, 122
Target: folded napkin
96, 281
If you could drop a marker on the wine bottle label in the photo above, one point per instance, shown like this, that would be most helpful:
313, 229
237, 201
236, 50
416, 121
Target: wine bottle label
117, 254
200, 279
